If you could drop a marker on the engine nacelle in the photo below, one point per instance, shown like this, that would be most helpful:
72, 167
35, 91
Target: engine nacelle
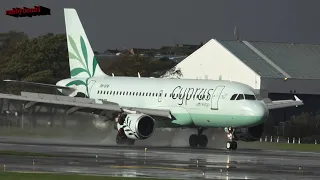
136, 126
249, 134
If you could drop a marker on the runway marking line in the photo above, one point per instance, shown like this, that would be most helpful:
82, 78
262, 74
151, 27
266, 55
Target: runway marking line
153, 167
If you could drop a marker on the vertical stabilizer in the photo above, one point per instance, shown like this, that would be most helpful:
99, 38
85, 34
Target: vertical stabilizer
82, 61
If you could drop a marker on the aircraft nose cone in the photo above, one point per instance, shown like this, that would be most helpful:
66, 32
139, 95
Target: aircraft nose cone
260, 110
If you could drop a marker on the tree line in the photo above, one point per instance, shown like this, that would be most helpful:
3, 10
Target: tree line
44, 59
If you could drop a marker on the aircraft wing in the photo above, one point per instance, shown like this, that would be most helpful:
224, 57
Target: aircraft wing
282, 103
77, 103
40, 84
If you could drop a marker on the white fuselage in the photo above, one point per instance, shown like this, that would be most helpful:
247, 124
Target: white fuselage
204, 103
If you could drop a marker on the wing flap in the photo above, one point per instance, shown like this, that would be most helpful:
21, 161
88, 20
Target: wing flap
283, 103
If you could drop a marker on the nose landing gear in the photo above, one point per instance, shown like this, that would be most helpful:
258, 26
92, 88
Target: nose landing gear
231, 144
198, 140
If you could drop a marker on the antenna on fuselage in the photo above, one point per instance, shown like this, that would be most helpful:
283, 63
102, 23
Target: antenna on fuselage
139, 75
112, 75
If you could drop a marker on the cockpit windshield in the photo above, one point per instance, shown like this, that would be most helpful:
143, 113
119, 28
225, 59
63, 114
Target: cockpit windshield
249, 97
233, 97
240, 96
243, 96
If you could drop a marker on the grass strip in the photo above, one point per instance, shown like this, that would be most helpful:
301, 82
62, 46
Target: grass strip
53, 176
18, 153
286, 146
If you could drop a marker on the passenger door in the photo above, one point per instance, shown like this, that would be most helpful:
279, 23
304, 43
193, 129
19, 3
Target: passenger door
215, 97
160, 96
91, 85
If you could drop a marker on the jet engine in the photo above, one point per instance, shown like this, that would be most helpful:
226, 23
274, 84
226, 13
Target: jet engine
249, 134
135, 126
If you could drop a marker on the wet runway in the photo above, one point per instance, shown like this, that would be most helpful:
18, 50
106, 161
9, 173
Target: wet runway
178, 163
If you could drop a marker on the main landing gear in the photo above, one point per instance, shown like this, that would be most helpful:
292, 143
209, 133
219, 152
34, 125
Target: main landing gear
198, 140
231, 145
121, 136
123, 139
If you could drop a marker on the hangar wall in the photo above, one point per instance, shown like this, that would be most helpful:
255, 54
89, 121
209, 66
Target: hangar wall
295, 86
214, 61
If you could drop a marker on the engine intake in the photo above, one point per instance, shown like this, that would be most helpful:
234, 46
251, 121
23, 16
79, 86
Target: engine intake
249, 134
136, 126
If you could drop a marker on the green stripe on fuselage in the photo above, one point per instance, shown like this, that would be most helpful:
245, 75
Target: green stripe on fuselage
215, 120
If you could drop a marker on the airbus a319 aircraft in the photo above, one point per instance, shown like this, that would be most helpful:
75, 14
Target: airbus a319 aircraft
149, 103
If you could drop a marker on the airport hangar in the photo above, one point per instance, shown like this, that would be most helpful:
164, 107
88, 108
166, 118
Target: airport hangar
276, 70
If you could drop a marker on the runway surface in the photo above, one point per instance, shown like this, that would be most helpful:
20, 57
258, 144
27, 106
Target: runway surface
178, 163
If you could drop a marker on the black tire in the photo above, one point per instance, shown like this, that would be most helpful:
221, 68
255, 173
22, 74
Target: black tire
234, 145
203, 141
231, 145
131, 141
118, 140
193, 140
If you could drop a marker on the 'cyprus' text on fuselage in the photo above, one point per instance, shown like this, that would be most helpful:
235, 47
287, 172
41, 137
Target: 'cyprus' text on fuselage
184, 94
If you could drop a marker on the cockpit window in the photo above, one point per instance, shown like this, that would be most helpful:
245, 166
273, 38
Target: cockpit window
233, 97
249, 97
240, 97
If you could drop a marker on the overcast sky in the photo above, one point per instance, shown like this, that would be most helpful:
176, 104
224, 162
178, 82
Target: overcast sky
154, 23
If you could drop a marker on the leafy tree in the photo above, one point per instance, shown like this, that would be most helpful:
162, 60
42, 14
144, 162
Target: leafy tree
130, 65
41, 59
301, 119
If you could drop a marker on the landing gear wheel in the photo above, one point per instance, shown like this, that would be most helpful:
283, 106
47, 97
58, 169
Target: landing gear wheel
118, 140
203, 141
193, 140
125, 141
130, 141
197, 140
231, 145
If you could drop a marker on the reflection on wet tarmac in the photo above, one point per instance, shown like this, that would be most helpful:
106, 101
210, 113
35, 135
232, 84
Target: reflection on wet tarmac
178, 163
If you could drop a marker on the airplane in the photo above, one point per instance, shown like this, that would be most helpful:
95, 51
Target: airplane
141, 104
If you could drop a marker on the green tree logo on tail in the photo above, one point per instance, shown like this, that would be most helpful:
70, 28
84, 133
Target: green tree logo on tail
83, 64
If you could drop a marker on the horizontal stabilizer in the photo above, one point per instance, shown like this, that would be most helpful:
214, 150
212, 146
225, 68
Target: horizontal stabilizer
40, 84
283, 103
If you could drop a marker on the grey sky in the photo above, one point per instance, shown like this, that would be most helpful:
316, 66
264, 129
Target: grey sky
153, 23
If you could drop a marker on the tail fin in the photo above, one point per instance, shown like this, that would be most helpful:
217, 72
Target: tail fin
82, 61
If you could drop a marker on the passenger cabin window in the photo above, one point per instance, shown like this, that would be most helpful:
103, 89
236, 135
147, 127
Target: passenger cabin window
233, 97
240, 97
249, 97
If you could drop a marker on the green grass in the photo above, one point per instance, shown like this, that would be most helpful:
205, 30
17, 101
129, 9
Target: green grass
18, 153
48, 176
286, 146
47, 132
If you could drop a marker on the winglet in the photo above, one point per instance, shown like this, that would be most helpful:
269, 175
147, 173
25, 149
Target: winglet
296, 98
